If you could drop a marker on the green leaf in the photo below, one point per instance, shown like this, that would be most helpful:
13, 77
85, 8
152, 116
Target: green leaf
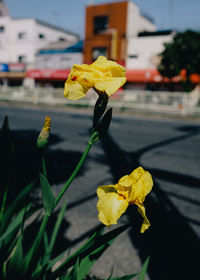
32, 256
57, 227
19, 202
3, 202
16, 264
89, 253
75, 271
100, 108
15, 224
47, 195
144, 269
48, 246
103, 127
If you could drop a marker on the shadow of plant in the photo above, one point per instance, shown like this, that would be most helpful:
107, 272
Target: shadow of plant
22, 164
170, 242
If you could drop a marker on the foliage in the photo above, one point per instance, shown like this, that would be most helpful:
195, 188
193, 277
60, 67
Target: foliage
182, 53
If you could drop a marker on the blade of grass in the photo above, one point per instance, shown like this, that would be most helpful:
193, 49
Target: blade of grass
57, 226
144, 269
16, 223
3, 202
90, 252
19, 201
47, 195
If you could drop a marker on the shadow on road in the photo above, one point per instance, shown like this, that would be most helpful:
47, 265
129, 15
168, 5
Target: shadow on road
20, 161
170, 242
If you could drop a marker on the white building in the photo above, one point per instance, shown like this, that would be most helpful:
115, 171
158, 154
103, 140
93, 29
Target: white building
59, 57
143, 51
20, 39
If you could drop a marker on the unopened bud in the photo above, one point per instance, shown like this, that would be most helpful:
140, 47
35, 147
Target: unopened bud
44, 134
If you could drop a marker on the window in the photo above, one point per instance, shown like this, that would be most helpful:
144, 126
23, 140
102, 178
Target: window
41, 36
2, 28
22, 35
133, 56
61, 39
21, 58
97, 51
100, 24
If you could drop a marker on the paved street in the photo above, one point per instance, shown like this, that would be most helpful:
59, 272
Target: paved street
169, 150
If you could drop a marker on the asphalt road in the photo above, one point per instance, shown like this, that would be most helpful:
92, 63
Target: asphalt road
169, 150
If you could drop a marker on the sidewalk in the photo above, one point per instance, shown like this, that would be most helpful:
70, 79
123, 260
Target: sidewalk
118, 112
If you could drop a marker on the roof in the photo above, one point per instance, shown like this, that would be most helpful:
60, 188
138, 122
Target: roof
147, 16
56, 27
51, 26
76, 48
155, 33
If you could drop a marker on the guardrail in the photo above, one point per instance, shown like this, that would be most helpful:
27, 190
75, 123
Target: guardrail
169, 102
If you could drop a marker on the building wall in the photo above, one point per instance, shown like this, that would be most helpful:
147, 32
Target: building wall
115, 33
13, 45
124, 24
58, 61
51, 35
136, 22
142, 52
5, 40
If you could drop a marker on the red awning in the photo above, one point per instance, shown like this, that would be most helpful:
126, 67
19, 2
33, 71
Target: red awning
133, 75
48, 74
147, 76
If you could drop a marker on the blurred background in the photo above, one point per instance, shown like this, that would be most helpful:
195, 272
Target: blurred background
155, 122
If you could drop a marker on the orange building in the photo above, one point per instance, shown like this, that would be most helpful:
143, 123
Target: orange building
105, 31
109, 27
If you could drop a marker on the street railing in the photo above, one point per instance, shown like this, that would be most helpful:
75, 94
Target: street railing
163, 102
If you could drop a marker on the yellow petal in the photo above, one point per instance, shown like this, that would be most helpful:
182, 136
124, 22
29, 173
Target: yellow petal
103, 75
124, 186
126, 181
109, 85
111, 206
74, 91
105, 65
142, 185
146, 224
105, 189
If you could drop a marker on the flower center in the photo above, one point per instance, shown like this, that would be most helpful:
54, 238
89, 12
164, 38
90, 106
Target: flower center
74, 78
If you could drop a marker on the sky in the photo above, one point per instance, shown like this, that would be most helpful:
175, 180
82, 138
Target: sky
70, 14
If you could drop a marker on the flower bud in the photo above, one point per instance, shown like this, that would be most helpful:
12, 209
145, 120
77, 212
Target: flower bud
43, 137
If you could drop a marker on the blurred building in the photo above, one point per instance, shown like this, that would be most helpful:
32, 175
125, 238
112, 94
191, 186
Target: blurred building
119, 31
20, 39
53, 63
59, 56
110, 29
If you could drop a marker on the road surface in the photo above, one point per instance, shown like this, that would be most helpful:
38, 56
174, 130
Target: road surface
169, 150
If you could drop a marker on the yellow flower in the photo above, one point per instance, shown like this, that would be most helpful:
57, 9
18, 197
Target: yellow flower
105, 76
131, 189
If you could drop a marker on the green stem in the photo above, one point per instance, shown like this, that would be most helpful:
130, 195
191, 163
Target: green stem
33, 252
44, 170
73, 175
92, 140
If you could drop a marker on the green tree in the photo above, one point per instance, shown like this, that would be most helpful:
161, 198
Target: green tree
182, 53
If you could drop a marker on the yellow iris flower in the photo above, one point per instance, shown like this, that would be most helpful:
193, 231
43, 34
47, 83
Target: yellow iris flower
103, 75
131, 189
